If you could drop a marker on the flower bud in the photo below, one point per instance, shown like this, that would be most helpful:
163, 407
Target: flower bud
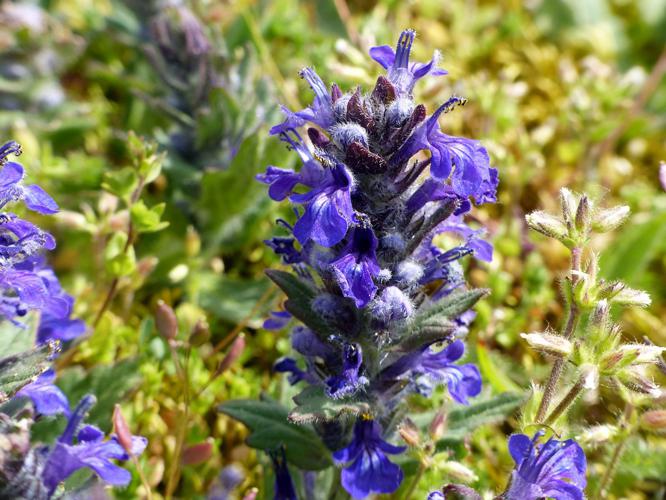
232, 355
590, 376
437, 426
630, 297
200, 333
583, 216
568, 204
601, 314
549, 343
597, 434
166, 321
457, 471
635, 378
547, 224
643, 353
345, 134
609, 218
654, 420
121, 429
197, 453
410, 433
399, 111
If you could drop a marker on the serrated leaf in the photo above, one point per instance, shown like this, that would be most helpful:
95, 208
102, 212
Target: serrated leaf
270, 428
315, 406
18, 370
299, 297
449, 307
464, 420
147, 220
121, 183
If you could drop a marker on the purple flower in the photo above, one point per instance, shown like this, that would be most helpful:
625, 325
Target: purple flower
348, 381
12, 189
284, 246
429, 366
472, 175
320, 112
370, 470
355, 269
47, 398
662, 176
401, 73
555, 469
328, 208
473, 241
288, 365
284, 486
277, 320
90, 450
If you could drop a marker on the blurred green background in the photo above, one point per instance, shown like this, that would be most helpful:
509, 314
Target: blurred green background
561, 93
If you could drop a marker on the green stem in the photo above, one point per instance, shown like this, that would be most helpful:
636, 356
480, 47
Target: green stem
415, 482
566, 402
607, 480
573, 316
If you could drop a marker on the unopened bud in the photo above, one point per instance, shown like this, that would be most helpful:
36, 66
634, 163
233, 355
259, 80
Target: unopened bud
200, 333
654, 420
251, 495
630, 297
549, 343
583, 215
597, 434
568, 203
121, 429
610, 218
166, 321
457, 471
589, 376
643, 353
232, 355
547, 224
635, 378
600, 315
197, 453
146, 265
410, 433
437, 426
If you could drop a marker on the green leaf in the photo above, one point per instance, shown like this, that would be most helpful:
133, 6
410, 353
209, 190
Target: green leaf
20, 369
315, 406
462, 421
270, 428
448, 307
498, 378
147, 220
121, 182
232, 299
110, 384
299, 297
15, 339
118, 260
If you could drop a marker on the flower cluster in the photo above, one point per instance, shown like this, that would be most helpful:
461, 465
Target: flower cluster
37, 471
384, 307
26, 282
28, 285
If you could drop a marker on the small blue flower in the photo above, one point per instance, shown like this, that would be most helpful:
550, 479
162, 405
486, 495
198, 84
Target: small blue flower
401, 72
284, 486
349, 380
555, 469
12, 189
356, 268
90, 450
47, 398
277, 320
367, 468
429, 367
472, 175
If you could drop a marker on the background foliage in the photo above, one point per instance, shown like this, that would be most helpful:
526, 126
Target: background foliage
562, 93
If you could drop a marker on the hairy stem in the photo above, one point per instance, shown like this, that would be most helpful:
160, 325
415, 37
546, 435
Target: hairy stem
607, 480
142, 476
573, 316
566, 402
409, 493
